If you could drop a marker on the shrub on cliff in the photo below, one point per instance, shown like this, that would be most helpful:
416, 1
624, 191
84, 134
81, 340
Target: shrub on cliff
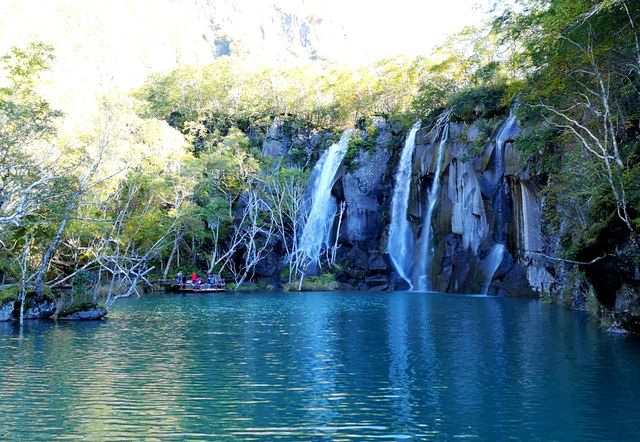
486, 101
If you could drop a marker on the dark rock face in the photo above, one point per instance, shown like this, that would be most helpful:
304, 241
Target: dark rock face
278, 141
34, 309
290, 141
365, 188
6, 311
452, 245
615, 274
268, 266
376, 280
627, 307
44, 309
377, 261
458, 269
358, 258
86, 315
511, 279
379, 288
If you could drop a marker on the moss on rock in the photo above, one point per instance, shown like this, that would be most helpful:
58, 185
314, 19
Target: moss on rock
323, 283
9, 294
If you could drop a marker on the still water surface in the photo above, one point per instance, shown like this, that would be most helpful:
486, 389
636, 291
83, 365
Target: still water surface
335, 366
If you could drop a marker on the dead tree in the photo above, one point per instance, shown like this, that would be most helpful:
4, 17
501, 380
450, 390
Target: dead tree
23, 261
84, 186
289, 202
592, 123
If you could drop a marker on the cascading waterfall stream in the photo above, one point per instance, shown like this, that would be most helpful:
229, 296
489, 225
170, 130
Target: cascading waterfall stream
422, 268
499, 184
491, 263
494, 258
400, 242
318, 226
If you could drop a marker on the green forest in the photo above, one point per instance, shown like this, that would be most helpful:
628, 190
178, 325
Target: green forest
172, 176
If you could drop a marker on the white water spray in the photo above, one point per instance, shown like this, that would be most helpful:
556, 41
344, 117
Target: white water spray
490, 265
494, 258
422, 270
400, 242
318, 226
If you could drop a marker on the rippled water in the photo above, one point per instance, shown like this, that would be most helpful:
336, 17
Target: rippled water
340, 366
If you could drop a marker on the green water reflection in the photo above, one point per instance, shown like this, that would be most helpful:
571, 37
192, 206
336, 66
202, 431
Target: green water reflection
313, 366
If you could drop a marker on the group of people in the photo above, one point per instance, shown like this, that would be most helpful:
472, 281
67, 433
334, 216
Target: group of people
197, 282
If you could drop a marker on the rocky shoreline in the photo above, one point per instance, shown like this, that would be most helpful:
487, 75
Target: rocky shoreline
45, 309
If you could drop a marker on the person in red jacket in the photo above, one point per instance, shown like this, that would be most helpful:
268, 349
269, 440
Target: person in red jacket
194, 278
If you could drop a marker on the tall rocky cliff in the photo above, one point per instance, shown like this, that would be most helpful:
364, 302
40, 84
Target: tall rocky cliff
490, 232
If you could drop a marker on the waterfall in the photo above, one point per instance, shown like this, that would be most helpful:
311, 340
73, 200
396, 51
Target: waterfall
422, 269
400, 242
490, 265
500, 191
320, 220
499, 184
505, 134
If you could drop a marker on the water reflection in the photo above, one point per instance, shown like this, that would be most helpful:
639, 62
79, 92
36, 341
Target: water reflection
400, 379
337, 366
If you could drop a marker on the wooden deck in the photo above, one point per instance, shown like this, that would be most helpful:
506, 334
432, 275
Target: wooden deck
202, 289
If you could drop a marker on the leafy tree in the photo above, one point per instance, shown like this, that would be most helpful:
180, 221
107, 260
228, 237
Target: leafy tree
27, 126
583, 80
464, 72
